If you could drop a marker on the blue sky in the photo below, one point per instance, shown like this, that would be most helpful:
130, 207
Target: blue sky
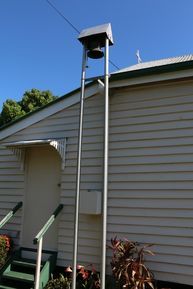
40, 50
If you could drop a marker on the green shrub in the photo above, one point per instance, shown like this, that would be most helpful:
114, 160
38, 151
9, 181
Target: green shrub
59, 283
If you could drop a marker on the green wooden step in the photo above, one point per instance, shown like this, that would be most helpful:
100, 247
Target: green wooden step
25, 263
18, 276
19, 272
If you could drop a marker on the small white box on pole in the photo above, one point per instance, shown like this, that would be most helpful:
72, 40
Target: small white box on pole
90, 202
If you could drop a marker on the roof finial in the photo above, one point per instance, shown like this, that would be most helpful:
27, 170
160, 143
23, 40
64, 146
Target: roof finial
139, 60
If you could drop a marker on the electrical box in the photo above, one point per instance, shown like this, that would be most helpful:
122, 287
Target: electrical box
90, 202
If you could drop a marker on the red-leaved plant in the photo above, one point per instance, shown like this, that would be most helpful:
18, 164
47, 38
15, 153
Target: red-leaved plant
128, 266
86, 277
5, 246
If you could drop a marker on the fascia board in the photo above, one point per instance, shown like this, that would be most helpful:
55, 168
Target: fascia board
137, 80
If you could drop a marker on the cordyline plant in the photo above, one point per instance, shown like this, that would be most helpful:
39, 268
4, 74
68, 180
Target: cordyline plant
5, 247
128, 266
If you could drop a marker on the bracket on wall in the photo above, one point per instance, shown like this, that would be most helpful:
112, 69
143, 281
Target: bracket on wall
20, 155
18, 148
60, 146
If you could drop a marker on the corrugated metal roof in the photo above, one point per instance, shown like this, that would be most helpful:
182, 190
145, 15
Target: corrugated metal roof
157, 63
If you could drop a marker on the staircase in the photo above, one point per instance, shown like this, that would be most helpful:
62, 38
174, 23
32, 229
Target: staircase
19, 271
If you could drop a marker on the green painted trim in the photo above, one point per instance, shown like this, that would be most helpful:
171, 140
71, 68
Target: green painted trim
47, 252
153, 70
45, 274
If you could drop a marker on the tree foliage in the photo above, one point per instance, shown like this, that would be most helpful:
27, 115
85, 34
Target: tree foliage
34, 99
11, 110
31, 100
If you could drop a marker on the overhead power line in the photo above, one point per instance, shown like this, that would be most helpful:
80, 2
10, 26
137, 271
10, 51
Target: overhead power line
114, 64
54, 7
70, 23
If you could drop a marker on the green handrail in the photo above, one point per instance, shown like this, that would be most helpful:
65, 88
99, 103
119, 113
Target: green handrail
10, 214
47, 224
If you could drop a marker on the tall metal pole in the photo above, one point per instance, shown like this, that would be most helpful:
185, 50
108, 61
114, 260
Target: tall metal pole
78, 173
106, 152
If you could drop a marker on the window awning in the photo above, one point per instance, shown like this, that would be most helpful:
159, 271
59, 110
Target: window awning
18, 148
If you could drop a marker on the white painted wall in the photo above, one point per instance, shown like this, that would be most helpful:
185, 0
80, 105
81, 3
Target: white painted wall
65, 124
11, 192
150, 174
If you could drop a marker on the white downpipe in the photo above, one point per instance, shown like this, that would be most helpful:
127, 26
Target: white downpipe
38, 264
106, 152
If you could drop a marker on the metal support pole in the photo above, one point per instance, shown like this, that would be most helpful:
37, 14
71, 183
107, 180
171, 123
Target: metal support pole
38, 264
106, 151
76, 221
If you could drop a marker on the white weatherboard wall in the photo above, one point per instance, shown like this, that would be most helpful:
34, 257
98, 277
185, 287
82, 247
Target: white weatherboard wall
151, 175
11, 191
65, 124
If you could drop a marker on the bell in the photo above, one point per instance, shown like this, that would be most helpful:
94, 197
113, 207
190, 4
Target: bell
95, 53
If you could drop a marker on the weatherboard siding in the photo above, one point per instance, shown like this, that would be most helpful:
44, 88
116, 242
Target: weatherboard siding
151, 175
65, 124
150, 196
11, 192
